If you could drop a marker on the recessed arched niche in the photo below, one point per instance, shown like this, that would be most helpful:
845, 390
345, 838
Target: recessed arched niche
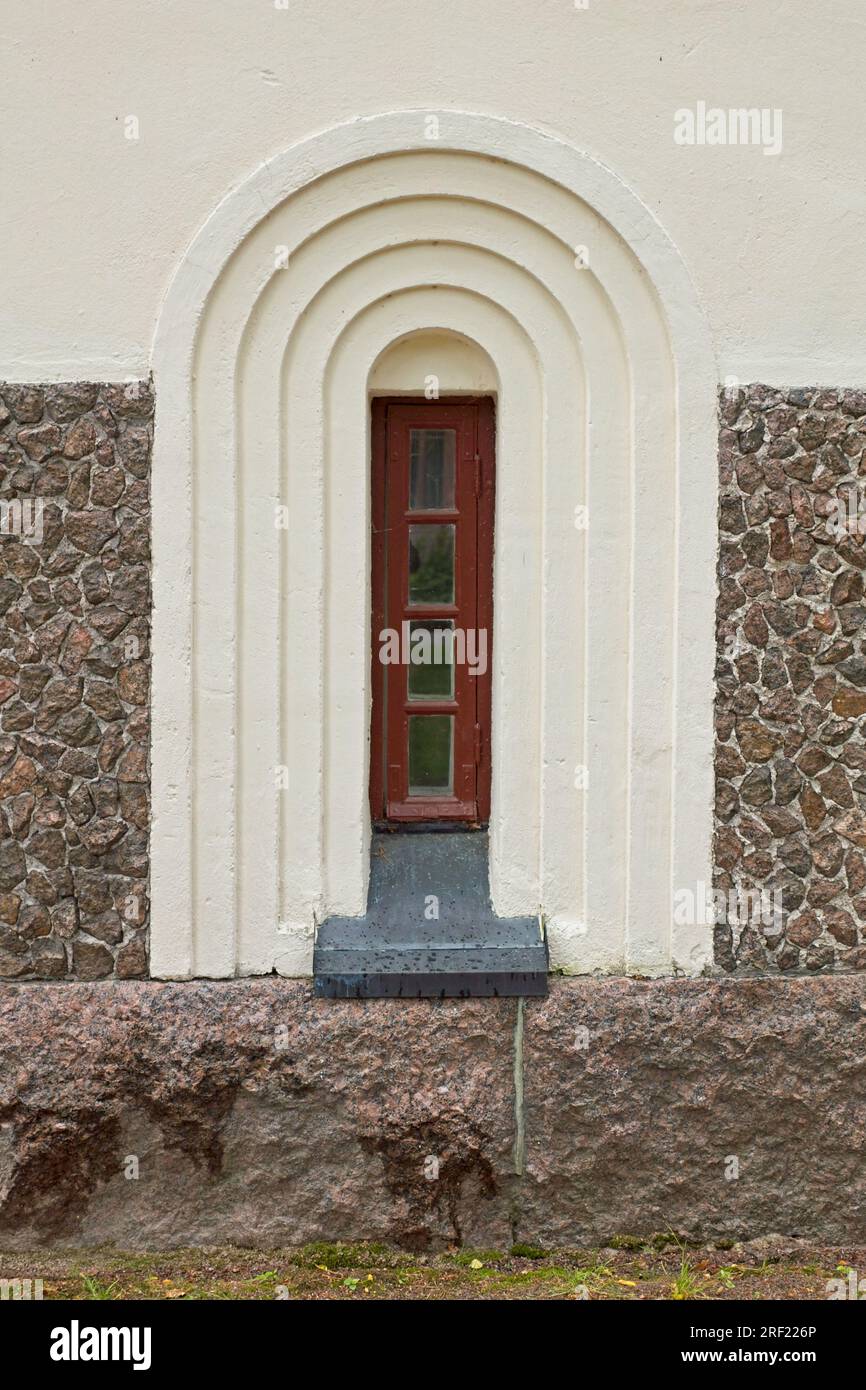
433, 363
507, 263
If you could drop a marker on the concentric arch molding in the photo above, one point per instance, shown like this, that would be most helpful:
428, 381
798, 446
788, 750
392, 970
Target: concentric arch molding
297, 285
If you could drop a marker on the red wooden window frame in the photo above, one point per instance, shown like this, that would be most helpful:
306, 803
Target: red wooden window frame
473, 420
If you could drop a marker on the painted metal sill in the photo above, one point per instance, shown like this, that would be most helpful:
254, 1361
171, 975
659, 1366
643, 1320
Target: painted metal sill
429, 930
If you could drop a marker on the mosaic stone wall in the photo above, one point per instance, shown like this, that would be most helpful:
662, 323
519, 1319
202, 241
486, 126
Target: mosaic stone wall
791, 678
74, 680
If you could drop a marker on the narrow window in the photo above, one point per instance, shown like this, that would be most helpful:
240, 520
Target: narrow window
433, 480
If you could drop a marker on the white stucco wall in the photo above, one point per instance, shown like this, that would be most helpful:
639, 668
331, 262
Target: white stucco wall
92, 224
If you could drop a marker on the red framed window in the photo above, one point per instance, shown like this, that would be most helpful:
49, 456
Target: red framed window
432, 550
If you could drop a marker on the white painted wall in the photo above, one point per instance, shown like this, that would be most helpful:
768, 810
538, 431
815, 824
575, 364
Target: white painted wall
92, 225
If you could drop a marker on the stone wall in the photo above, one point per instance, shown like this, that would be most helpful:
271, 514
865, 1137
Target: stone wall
258, 1115
74, 680
791, 678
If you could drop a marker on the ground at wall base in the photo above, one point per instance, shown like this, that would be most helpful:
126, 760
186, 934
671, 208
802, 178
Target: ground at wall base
663, 1268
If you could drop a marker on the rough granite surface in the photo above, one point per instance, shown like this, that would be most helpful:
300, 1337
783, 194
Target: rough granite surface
151, 1115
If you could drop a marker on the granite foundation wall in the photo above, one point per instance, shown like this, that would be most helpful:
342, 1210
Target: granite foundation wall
151, 1115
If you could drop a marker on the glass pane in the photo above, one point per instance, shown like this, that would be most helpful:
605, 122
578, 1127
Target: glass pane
431, 659
430, 738
431, 479
431, 564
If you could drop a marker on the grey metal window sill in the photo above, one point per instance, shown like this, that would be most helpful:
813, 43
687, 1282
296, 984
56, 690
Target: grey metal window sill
402, 949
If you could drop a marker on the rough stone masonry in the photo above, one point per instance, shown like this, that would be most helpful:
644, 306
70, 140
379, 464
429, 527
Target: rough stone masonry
74, 682
791, 677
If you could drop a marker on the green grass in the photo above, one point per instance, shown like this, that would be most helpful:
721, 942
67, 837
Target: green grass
94, 1289
685, 1285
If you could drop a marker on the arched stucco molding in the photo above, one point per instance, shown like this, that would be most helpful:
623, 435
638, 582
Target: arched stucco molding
221, 403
